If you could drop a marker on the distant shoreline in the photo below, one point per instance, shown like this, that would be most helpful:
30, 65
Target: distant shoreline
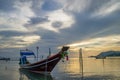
108, 54
6, 59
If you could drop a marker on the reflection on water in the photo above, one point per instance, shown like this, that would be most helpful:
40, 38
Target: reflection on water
93, 69
27, 75
98, 69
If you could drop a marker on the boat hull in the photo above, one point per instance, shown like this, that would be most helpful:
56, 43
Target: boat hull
46, 65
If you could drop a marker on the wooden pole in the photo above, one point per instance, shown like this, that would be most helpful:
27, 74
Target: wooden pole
37, 52
81, 62
49, 52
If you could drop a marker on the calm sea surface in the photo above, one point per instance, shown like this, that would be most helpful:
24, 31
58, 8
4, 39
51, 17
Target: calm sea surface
93, 69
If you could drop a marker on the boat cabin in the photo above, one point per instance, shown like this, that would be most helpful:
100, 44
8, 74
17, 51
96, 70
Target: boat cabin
24, 54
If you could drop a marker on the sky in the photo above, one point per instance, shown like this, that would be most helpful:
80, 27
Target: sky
93, 25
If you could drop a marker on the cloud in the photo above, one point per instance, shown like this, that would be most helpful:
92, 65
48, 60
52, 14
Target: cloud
24, 9
12, 23
16, 19
6, 5
26, 39
37, 20
12, 33
50, 5
106, 41
57, 24
76, 5
18, 41
85, 26
60, 16
53, 23
37, 7
47, 22
107, 9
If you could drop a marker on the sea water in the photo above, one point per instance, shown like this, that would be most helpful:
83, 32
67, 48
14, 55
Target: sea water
93, 69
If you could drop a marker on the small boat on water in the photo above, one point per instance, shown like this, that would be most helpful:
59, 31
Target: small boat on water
45, 65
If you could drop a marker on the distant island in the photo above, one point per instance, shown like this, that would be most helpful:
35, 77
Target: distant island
4, 58
103, 55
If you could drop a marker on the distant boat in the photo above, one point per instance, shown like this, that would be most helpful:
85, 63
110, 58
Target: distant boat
45, 65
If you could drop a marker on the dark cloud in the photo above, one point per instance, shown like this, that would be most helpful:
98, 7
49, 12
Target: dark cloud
7, 36
11, 33
37, 20
36, 7
43, 7
57, 24
97, 5
86, 26
7, 5
50, 5
82, 31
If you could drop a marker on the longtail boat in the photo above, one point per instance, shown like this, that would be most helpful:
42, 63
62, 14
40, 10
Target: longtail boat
45, 65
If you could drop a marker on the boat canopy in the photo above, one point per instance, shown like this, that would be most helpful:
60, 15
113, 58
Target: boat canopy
22, 53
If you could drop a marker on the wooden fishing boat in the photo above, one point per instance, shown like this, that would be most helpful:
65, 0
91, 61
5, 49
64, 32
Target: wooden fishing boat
45, 65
